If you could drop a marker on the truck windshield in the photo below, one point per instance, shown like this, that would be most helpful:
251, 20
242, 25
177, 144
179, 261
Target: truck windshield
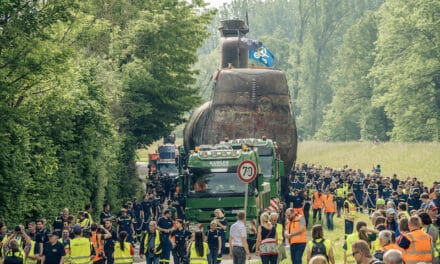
215, 183
169, 168
266, 166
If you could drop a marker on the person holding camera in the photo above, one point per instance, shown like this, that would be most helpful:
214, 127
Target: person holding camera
16, 245
97, 236
15, 255
109, 245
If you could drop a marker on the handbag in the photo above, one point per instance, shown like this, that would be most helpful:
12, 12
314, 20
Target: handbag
269, 246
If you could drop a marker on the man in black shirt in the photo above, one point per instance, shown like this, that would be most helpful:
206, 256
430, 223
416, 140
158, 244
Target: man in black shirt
53, 251
42, 236
32, 231
109, 246
106, 214
394, 182
57, 225
146, 211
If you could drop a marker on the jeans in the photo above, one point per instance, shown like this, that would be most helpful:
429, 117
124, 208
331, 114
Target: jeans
296, 252
109, 254
329, 220
315, 212
238, 255
349, 225
212, 256
153, 260
269, 259
307, 213
339, 205
178, 256
166, 250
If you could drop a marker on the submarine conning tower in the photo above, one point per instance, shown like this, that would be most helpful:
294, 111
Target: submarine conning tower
232, 53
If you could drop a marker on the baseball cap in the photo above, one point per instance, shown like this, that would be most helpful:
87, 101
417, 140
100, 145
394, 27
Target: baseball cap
380, 202
391, 211
76, 228
55, 234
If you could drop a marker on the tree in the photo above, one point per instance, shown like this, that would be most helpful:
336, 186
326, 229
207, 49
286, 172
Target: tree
407, 68
351, 115
157, 82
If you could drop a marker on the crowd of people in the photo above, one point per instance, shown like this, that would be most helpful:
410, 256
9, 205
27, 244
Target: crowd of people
403, 213
404, 226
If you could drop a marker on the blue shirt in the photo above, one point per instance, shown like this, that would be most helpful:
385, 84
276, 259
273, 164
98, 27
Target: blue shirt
165, 223
213, 236
124, 223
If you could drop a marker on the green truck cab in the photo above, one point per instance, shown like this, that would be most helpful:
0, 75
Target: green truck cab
212, 182
272, 167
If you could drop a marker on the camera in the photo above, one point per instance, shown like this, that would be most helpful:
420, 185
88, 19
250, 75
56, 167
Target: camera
102, 255
17, 229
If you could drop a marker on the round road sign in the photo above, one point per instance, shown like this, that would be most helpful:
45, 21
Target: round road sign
247, 171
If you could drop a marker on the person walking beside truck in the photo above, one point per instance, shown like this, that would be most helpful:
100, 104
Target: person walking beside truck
165, 226
222, 226
295, 232
214, 242
239, 249
267, 232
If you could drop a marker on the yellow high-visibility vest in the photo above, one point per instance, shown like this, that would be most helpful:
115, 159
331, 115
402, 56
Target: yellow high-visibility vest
80, 251
123, 256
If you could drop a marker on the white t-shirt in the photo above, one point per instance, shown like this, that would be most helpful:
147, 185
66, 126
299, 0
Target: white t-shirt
238, 231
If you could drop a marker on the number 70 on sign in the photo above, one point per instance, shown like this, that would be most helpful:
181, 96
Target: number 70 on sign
247, 171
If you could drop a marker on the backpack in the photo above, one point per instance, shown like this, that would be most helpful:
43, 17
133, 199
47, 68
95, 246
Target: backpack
318, 248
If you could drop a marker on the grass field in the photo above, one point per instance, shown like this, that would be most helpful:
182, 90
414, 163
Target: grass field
421, 160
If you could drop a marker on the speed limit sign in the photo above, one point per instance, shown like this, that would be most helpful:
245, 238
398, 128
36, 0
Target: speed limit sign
247, 171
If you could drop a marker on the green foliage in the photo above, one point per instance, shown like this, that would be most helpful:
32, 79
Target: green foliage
407, 69
76, 77
358, 70
158, 79
351, 115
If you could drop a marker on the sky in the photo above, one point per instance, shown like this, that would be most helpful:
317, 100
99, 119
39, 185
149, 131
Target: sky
217, 3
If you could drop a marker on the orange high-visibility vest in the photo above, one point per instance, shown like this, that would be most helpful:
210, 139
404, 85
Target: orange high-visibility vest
420, 249
98, 245
317, 201
298, 211
293, 226
329, 203
391, 246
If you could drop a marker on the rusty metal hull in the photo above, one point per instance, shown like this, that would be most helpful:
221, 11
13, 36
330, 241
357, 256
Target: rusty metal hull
247, 103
